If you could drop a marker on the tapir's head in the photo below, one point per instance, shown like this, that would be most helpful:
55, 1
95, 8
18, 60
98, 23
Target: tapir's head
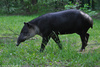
29, 30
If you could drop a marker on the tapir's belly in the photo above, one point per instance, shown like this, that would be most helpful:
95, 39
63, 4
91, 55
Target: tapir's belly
68, 29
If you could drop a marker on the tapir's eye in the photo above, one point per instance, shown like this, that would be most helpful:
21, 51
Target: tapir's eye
25, 33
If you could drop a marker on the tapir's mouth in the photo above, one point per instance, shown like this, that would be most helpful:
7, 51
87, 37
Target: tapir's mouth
17, 44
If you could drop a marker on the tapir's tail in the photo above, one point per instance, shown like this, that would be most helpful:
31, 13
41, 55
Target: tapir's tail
91, 22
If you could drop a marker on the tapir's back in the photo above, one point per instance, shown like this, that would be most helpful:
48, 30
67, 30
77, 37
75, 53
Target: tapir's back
68, 21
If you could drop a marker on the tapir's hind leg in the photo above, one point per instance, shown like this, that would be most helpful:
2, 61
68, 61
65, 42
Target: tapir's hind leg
83, 42
87, 37
55, 37
84, 39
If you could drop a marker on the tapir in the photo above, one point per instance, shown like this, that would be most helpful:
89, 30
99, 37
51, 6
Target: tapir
51, 25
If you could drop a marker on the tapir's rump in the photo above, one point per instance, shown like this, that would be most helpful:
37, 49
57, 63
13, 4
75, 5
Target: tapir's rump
52, 24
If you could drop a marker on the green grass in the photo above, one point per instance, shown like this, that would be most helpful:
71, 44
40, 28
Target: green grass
27, 53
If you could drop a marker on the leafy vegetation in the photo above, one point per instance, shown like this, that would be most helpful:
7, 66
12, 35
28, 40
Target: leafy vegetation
28, 7
27, 53
84, 9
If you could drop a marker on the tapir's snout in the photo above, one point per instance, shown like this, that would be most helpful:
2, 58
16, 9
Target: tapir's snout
17, 44
20, 39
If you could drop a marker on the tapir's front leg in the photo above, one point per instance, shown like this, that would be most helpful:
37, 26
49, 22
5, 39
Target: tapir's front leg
55, 37
44, 43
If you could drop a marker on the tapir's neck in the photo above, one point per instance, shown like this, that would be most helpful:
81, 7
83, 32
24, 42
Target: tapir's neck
37, 30
35, 22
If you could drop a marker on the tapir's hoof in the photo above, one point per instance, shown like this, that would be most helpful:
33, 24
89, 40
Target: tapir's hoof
41, 50
60, 48
82, 50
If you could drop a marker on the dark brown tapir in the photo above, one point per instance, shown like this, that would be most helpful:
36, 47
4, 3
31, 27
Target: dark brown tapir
50, 25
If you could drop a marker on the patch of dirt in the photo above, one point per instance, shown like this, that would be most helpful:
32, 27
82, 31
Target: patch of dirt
97, 16
7, 40
91, 48
97, 66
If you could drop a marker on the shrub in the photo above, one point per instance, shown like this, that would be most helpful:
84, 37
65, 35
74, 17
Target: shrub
85, 9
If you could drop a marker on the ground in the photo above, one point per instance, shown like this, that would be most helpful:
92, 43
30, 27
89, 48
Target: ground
27, 53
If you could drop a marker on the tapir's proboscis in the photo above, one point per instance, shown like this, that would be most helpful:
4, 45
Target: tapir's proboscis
50, 25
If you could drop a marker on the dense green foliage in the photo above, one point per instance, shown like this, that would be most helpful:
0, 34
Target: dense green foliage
27, 53
84, 8
26, 7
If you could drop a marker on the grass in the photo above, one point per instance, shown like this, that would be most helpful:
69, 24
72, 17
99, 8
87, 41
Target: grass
27, 54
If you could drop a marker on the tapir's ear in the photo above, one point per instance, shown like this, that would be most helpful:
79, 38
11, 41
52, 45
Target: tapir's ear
29, 25
25, 23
